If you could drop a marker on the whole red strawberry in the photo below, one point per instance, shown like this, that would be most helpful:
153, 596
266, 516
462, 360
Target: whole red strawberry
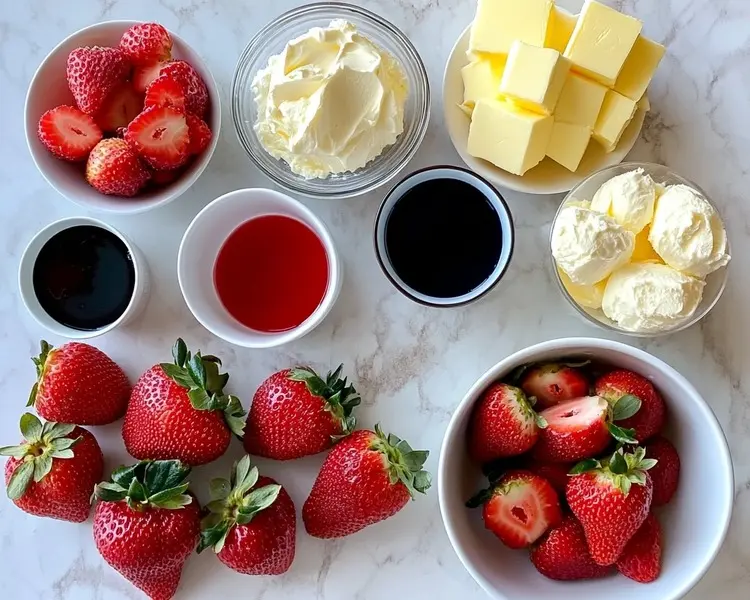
503, 424
68, 133
366, 478
252, 522
563, 555
666, 473
114, 168
575, 429
146, 43
77, 383
611, 499
146, 526
641, 559
552, 383
180, 411
93, 72
196, 92
53, 472
296, 413
619, 384
519, 508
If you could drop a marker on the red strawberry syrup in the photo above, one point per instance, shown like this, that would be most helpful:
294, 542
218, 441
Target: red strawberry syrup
271, 273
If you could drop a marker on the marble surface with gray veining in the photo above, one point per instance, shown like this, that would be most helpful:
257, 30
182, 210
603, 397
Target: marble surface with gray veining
412, 364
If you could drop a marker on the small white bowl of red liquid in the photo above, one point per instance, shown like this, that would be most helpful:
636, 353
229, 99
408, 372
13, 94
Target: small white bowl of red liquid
258, 269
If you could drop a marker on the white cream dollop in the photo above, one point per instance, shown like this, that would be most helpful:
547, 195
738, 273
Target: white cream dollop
650, 297
331, 102
589, 245
688, 233
628, 198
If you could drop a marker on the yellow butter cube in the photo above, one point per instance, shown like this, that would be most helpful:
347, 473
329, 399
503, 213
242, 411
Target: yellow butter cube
559, 30
534, 77
616, 113
643, 250
508, 137
601, 41
499, 22
589, 296
639, 68
568, 144
482, 80
580, 101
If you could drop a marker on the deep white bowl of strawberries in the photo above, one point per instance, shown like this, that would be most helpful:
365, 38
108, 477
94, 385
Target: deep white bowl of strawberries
122, 116
616, 484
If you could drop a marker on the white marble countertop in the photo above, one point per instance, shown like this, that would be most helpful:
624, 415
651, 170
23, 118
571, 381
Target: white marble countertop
412, 364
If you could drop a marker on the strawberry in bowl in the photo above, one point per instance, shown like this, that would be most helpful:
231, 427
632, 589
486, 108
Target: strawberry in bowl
134, 82
608, 496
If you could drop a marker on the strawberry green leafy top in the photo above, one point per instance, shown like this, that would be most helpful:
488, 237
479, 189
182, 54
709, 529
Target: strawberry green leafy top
148, 484
623, 469
205, 384
43, 443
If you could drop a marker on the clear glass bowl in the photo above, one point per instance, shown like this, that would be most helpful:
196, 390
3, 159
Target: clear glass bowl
715, 282
272, 39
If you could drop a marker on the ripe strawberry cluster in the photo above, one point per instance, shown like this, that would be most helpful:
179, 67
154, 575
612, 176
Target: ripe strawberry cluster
576, 482
178, 416
138, 114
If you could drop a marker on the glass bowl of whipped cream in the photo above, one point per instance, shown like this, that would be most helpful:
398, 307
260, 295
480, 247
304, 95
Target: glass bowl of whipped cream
330, 100
640, 250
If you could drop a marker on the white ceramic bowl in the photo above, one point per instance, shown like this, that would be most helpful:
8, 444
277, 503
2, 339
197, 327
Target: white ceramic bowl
201, 244
547, 177
26, 283
49, 88
694, 523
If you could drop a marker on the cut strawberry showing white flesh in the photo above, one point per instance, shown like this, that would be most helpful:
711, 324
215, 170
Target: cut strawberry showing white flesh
161, 137
520, 508
121, 106
553, 383
68, 133
576, 429
143, 75
165, 91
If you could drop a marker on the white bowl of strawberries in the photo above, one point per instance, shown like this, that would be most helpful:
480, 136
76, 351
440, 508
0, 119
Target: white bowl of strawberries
601, 473
122, 116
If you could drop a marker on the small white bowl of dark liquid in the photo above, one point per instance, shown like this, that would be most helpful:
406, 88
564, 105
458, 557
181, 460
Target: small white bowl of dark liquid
80, 278
444, 236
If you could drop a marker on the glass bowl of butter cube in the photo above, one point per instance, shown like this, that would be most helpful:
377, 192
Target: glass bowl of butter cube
639, 250
536, 99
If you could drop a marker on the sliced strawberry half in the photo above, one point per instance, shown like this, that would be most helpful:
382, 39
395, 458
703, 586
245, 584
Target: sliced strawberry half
553, 383
519, 508
68, 133
200, 134
165, 91
161, 137
143, 75
576, 429
121, 106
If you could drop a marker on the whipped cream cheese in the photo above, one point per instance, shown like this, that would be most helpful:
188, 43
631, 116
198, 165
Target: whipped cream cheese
649, 297
688, 233
589, 245
331, 102
628, 198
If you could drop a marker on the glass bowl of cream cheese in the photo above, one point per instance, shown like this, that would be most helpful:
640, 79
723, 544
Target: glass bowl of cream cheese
640, 250
330, 100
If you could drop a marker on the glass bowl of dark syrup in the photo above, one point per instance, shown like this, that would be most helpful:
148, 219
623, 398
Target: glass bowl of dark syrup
444, 236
